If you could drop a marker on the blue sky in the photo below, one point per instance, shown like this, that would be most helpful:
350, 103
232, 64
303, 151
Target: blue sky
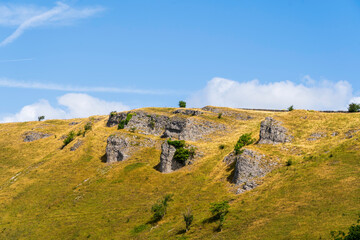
130, 54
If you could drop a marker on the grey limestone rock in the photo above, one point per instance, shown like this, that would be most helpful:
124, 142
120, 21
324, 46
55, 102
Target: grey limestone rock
228, 113
317, 136
33, 136
179, 127
271, 132
249, 166
121, 147
168, 163
189, 112
76, 145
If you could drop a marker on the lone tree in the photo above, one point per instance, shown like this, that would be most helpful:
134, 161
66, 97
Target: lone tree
182, 104
41, 118
353, 107
290, 108
188, 218
219, 210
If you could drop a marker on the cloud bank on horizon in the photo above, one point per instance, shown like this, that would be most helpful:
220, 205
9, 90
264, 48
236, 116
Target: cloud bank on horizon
25, 17
310, 94
71, 105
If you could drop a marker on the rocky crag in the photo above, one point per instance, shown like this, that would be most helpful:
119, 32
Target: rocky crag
272, 132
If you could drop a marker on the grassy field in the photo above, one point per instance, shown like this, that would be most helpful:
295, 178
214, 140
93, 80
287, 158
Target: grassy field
51, 193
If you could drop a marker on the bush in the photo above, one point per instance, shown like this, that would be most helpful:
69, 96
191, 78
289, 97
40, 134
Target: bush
182, 104
188, 218
219, 210
221, 146
219, 115
353, 234
353, 107
159, 208
41, 118
176, 143
181, 155
290, 108
289, 162
124, 122
88, 126
113, 113
243, 141
70, 137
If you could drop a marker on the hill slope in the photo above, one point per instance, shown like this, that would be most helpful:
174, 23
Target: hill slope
51, 193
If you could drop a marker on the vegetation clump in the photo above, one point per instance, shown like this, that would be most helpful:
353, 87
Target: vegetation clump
243, 141
291, 108
181, 154
182, 104
353, 234
69, 138
124, 122
219, 210
219, 115
353, 107
113, 113
188, 218
41, 118
159, 208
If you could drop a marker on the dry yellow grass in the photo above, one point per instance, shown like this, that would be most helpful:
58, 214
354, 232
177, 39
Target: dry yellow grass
49, 193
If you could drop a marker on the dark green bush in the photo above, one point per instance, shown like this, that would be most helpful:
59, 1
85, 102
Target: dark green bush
353, 107
219, 115
219, 211
182, 104
353, 234
124, 122
290, 108
113, 113
221, 146
69, 138
159, 208
181, 155
41, 118
289, 162
243, 141
88, 126
176, 143
188, 218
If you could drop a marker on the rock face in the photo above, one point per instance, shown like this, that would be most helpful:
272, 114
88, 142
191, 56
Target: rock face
167, 162
248, 168
76, 145
119, 148
116, 149
228, 113
33, 136
179, 127
271, 132
316, 136
189, 112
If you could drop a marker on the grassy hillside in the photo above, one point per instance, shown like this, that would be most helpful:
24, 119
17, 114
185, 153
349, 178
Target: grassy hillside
51, 193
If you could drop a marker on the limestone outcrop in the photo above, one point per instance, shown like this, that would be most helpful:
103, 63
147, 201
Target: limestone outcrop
249, 167
228, 113
121, 147
167, 161
271, 132
189, 112
33, 136
180, 127
76, 145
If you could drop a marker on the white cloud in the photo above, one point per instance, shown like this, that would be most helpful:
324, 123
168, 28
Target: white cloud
4, 82
72, 105
25, 17
322, 95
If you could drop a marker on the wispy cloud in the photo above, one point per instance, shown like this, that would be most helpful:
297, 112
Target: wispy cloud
30, 16
16, 60
56, 87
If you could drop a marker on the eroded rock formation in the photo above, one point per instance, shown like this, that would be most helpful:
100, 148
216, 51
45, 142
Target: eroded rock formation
33, 136
271, 132
249, 167
167, 161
